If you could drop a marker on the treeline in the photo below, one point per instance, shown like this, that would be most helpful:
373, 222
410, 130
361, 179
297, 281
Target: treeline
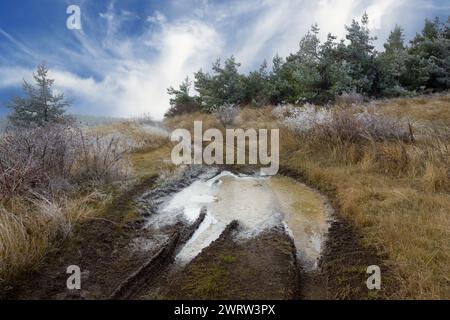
319, 72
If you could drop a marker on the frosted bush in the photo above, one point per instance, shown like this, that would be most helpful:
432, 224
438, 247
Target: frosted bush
102, 157
343, 124
306, 118
170, 176
58, 158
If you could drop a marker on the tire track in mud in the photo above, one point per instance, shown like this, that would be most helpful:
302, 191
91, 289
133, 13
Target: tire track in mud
260, 268
139, 280
271, 255
264, 267
344, 259
160, 275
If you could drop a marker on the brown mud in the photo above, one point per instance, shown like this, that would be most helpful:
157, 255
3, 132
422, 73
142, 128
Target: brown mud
139, 280
264, 267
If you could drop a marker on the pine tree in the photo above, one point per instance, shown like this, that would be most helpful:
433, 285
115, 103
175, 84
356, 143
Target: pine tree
318, 72
392, 65
256, 86
305, 67
224, 86
396, 41
429, 64
297, 78
333, 70
181, 101
359, 56
40, 106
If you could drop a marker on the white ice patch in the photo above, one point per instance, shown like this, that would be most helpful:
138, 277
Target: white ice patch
257, 203
210, 229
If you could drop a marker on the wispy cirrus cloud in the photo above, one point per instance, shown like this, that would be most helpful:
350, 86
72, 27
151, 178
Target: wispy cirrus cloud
131, 72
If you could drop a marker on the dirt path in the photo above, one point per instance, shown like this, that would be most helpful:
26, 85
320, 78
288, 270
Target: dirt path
262, 268
146, 275
114, 264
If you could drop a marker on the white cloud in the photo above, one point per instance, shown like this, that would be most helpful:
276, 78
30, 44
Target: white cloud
378, 10
132, 83
12, 76
133, 71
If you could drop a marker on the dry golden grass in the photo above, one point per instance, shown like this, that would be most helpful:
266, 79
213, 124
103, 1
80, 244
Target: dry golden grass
256, 118
30, 226
396, 194
151, 162
136, 133
433, 109
186, 121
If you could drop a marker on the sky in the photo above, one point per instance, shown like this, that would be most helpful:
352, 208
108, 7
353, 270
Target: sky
128, 52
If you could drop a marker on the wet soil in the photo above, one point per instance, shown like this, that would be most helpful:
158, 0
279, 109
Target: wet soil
264, 267
101, 247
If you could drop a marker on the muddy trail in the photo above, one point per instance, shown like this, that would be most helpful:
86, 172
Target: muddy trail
209, 234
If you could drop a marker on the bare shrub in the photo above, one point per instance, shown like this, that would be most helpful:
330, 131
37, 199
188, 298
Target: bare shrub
382, 128
40, 170
31, 158
226, 113
344, 126
348, 126
170, 175
283, 111
102, 158
58, 158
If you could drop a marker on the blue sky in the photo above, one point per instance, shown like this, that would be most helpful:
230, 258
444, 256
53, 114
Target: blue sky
129, 51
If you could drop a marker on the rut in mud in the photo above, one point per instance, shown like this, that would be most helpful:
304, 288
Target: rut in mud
261, 225
257, 203
209, 234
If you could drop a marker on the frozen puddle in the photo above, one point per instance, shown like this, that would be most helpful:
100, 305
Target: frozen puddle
257, 203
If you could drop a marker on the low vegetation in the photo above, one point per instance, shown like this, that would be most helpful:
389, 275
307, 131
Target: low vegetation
54, 177
369, 128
